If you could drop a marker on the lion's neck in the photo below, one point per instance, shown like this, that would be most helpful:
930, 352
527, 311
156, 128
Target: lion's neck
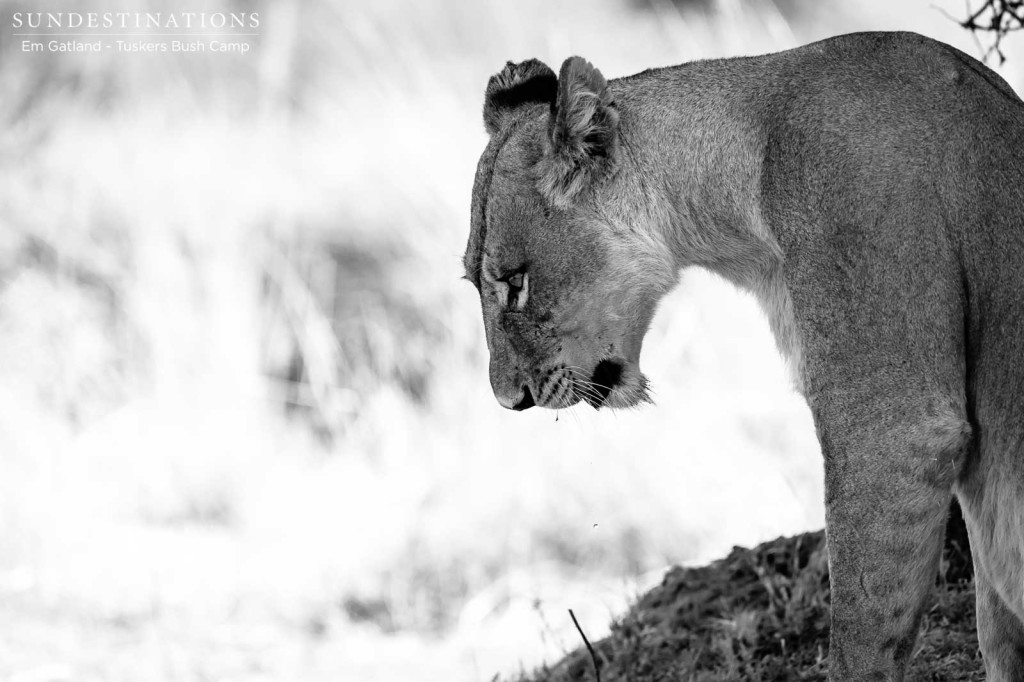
696, 155
696, 150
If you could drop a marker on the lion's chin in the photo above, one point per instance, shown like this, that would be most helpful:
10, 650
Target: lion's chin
628, 394
617, 384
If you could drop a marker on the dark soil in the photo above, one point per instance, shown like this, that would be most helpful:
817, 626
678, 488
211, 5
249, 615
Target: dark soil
762, 614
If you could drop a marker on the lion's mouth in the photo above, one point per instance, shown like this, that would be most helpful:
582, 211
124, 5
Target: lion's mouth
607, 375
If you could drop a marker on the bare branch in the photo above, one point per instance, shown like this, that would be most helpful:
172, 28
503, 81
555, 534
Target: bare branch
593, 656
996, 17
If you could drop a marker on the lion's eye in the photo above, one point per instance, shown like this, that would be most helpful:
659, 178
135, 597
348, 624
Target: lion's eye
518, 283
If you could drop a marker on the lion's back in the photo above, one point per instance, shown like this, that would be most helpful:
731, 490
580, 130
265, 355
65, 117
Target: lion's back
853, 122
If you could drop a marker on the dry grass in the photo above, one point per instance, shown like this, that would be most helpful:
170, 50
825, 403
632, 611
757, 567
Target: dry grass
762, 615
247, 432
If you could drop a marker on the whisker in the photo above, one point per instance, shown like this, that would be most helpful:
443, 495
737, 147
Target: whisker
595, 391
579, 375
582, 390
587, 385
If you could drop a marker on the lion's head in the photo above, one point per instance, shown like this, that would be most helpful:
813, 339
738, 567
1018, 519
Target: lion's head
568, 285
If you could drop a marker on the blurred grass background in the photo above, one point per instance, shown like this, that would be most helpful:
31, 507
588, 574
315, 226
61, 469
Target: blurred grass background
246, 431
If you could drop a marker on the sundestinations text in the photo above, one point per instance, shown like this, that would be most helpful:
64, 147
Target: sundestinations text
135, 20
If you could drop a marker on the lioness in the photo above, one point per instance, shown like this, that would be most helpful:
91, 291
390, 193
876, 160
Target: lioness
869, 191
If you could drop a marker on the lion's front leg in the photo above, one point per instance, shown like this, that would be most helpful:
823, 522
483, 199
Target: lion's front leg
888, 487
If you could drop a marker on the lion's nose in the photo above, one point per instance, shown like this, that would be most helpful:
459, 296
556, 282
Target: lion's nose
518, 402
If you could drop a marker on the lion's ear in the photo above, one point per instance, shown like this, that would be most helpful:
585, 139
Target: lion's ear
584, 142
529, 82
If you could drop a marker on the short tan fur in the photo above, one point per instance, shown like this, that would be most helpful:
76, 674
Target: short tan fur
869, 191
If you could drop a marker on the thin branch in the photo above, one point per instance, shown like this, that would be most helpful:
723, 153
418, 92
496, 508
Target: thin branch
998, 17
593, 656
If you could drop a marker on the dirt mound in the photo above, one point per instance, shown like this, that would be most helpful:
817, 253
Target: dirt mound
762, 614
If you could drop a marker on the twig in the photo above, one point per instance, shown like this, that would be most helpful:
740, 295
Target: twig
593, 656
999, 17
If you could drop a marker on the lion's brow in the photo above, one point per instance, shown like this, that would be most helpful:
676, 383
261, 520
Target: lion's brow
474, 267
